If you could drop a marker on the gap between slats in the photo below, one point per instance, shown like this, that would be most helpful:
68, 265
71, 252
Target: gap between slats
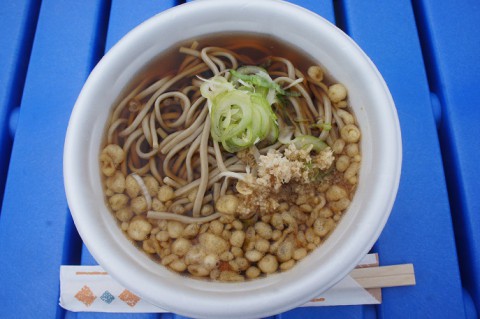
72, 243
369, 311
72, 248
18, 83
431, 68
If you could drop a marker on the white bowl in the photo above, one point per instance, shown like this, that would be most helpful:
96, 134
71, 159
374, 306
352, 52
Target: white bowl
353, 237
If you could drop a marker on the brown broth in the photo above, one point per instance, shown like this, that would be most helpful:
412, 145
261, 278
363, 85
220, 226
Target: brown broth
258, 48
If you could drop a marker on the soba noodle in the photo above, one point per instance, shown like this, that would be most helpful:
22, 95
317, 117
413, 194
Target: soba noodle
204, 211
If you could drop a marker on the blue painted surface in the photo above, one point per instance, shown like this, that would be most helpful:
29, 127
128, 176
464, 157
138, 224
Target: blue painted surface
36, 231
124, 16
415, 49
323, 8
420, 228
452, 48
18, 20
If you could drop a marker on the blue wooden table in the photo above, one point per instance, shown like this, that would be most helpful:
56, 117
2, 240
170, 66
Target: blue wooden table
428, 52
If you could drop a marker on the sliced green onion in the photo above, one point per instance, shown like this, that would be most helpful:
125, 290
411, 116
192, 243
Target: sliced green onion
285, 132
223, 106
241, 119
323, 126
304, 142
273, 134
260, 80
214, 86
240, 109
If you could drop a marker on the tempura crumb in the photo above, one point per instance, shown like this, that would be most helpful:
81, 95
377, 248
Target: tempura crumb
325, 159
275, 170
294, 154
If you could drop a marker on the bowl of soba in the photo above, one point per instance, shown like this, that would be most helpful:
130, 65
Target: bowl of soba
232, 158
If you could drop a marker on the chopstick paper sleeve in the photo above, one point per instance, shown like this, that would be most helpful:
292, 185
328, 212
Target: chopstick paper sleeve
91, 289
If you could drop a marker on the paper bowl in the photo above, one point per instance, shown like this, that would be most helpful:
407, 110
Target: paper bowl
353, 237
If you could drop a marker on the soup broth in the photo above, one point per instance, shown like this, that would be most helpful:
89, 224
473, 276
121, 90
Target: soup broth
230, 157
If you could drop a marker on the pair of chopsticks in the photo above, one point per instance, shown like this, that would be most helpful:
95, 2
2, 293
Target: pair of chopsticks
386, 276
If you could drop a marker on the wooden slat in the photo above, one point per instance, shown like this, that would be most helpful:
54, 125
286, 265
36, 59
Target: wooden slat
323, 8
419, 230
124, 16
36, 232
18, 23
449, 34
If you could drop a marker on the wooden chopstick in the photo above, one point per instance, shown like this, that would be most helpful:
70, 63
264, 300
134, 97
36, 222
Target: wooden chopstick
387, 276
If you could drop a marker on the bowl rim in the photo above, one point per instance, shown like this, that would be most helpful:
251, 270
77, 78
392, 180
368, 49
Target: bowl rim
193, 305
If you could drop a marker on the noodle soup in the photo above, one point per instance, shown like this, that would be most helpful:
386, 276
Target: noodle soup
231, 157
